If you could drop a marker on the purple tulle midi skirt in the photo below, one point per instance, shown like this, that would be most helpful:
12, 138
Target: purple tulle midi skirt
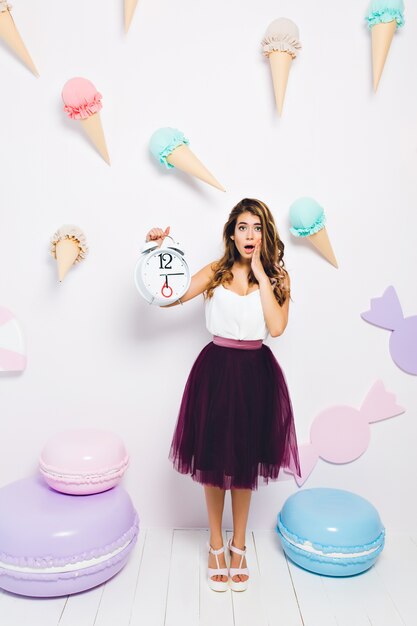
235, 422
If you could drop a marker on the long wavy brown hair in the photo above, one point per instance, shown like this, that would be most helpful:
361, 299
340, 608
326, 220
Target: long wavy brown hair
272, 251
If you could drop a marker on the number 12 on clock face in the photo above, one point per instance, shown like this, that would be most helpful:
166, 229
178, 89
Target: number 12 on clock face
166, 275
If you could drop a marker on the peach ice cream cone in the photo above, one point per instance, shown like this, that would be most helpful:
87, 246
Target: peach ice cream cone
68, 246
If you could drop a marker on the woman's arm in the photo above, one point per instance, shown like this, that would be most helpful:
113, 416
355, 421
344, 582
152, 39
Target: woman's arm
199, 283
276, 316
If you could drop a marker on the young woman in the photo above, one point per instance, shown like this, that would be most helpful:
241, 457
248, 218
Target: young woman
235, 423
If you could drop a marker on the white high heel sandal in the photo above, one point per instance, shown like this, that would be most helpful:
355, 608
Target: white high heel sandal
235, 571
217, 585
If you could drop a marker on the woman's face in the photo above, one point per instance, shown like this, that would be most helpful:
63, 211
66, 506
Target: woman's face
248, 231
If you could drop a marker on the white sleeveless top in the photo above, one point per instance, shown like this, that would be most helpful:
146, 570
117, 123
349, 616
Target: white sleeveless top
235, 317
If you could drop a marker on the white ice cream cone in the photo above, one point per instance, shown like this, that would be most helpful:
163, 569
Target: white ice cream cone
280, 63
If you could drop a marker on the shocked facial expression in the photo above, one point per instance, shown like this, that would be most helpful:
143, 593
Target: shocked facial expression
248, 231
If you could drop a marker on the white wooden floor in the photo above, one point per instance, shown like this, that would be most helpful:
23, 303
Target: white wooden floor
164, 584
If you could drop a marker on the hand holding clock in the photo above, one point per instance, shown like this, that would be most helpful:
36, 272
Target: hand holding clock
162, 275
158, 235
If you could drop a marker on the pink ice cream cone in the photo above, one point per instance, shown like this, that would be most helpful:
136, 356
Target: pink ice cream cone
83, 102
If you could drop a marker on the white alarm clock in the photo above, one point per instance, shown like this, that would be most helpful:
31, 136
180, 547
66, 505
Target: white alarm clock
161, 274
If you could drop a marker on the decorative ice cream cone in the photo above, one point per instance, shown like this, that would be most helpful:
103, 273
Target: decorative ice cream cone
83, 102
68, 246
130, 6
186, 161
66, 251
308, 220
169, 147
11, 36
384, 18
281, 44
280, 68
382, 35
94, 130
321, 242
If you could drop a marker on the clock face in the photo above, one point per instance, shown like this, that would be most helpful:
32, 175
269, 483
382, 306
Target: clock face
165, 274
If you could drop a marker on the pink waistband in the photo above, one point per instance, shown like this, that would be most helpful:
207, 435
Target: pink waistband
241, 344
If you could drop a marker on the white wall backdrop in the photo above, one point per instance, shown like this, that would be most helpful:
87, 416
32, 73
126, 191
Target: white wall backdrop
98, 355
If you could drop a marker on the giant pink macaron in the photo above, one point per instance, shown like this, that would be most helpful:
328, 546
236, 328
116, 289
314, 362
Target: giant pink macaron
83, 461
82, 102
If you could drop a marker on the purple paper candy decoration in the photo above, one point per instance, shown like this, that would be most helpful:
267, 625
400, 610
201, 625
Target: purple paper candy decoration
386, 312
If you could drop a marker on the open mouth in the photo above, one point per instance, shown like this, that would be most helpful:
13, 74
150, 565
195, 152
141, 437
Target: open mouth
249, 248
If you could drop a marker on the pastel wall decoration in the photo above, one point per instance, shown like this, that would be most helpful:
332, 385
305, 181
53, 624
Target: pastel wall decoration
280, 45
68, 246
53, 544
10, 35
384, 17
170, 148
386, 312
83, 461
12, 346
130, 7
308, 220
341, 434
83, 103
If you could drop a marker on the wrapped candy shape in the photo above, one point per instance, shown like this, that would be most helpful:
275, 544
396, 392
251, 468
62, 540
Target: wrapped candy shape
341, 434
386, 312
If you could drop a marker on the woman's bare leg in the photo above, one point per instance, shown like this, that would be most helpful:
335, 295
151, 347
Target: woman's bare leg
240, 509
215, 506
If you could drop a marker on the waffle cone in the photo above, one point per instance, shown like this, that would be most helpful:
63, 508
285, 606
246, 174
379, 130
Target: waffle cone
185, 160
130, 6
322, 243
93, 128
382, 35
66, 252
10, 35
280, 63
